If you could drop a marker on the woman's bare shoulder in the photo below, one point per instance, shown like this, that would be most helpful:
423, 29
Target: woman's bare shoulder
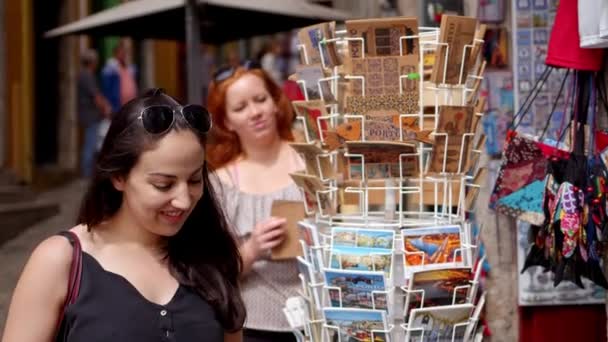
222, 174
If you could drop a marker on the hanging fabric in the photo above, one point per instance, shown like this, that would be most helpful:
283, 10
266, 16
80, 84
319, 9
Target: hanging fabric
592, 14
564, 44
570, 241
522, 168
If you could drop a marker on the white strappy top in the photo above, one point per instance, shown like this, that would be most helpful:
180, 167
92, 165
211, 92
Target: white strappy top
269, 283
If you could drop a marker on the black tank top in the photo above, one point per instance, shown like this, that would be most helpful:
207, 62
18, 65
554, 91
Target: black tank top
110, 308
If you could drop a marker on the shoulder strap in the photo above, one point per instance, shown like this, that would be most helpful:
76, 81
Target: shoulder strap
75, 271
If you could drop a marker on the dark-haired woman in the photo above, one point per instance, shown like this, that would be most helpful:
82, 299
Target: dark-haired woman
158, 260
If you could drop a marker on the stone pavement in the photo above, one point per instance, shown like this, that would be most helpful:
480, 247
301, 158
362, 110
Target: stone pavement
501, 309
14, 253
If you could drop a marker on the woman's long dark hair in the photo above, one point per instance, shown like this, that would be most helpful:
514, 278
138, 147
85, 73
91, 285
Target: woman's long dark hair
203, 254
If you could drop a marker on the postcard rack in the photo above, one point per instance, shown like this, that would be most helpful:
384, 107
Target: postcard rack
444, 186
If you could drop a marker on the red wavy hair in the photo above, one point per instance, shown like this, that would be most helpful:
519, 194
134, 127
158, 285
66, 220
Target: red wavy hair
224, 145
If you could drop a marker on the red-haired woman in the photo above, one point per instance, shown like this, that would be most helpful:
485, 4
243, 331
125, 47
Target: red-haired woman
252, 158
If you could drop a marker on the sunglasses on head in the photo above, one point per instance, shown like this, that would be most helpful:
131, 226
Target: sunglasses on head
158, 119
226, 72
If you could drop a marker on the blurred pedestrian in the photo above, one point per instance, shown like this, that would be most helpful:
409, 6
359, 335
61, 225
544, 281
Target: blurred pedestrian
252, 160
118, 77
158, 260
207, 68
269, 59
93, 107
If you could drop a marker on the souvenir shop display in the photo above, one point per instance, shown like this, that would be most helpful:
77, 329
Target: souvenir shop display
391, 141
552, 177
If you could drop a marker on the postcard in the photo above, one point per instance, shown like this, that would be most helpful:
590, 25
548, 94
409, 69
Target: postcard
356, 324
438, 287
293, 211
368, 238
311, 237
317, 198
307, 274
312, 39
431, 248
476, 153
356, 289
472, 192
477, 46
382, 76
388, 104
387, 154
457, 32
382, 37
472, 328
318, 162
496, 48
378, 128
361, 259
454, 121
315, 88
309, 111
437, 323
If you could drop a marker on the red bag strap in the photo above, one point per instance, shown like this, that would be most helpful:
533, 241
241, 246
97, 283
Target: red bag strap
75, 271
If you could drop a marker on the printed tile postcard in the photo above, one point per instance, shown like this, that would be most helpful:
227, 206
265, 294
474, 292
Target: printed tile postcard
362, 259
356, 289
438, 287
387, 104
315, 87
431, 248
356, 324
382, 75
367, 238
382, 37
437, 323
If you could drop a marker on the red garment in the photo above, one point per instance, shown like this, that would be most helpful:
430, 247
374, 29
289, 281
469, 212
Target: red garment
562, 323
293, 91
564, 45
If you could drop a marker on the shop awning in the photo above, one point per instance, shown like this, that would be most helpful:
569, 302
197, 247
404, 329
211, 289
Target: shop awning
220, 20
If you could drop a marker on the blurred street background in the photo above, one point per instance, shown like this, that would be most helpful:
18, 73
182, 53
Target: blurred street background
43, 134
